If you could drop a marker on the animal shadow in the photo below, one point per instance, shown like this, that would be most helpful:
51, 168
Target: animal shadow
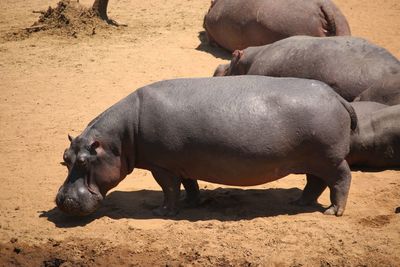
215, 51
373, 169
223, 204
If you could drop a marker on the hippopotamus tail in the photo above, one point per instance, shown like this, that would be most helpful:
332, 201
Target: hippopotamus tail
352, 113
330, 26
336, 23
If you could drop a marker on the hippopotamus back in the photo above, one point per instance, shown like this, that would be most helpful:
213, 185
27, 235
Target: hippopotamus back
348, 64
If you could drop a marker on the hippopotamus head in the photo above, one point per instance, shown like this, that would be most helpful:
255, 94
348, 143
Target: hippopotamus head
221, 70
94, 167
236, 67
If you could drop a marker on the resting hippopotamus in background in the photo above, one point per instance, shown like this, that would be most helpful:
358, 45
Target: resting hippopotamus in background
237, 24
389, 95
376, 144
239, 131
364, 109
348, 64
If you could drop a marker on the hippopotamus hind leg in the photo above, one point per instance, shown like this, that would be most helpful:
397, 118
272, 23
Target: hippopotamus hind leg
171, 189
339, 185
338, 180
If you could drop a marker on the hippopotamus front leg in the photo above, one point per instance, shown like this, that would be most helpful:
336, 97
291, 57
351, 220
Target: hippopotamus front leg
313, 189
192, 198
170, 185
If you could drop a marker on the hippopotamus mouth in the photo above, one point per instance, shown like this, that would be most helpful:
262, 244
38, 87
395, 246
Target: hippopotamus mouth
77, 198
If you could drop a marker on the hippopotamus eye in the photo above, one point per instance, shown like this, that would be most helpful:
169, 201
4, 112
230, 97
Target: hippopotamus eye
92, 147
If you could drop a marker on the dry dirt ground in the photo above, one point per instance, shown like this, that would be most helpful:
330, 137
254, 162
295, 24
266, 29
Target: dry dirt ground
54, 83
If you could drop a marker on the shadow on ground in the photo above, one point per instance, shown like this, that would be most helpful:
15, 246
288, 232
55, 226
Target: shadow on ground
215, 51
374, 169
219, 204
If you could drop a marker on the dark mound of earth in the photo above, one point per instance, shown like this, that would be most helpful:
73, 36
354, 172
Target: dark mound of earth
68, 19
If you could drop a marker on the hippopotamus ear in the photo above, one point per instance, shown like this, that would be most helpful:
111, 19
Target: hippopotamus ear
233, 68
70, 138
236, 55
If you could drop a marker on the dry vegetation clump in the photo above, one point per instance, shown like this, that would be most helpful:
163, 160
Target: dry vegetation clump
68, 19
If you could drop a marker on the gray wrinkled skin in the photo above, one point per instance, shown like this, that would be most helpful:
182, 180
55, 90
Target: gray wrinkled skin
365, 109
242, 131
388, 95
376, 145
349, 65
237, 24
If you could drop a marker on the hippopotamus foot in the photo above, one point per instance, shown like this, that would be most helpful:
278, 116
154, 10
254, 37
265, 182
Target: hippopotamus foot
171, 189
192, 198
313, 189
333, 210
164, 211
339, 185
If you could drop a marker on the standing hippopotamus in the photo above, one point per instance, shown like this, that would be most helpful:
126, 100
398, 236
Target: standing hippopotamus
348, 64
376, 144
237, 24
239, 131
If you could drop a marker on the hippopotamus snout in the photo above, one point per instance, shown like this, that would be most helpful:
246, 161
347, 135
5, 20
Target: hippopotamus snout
75, 198
222, 70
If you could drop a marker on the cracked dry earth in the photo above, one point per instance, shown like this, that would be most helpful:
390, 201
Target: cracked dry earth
52, 84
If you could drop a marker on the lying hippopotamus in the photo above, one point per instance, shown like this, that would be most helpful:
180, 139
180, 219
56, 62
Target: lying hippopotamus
238, 131
237, 24
365, 109
348, 64
376, 144
388, 95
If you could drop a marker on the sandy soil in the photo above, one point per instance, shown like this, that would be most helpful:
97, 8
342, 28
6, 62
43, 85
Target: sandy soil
52, 85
